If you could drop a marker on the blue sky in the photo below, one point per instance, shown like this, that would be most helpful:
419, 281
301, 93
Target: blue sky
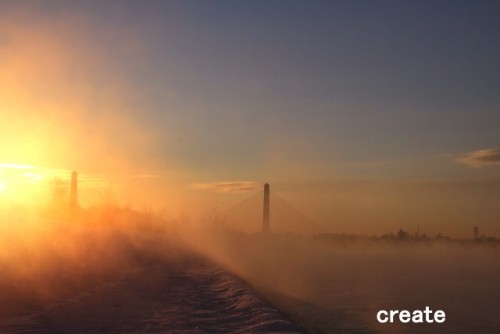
296, 93
362, 82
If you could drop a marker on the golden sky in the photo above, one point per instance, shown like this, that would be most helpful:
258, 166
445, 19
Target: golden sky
367, 124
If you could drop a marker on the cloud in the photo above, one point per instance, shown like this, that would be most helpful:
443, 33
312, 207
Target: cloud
480, 158
228, 187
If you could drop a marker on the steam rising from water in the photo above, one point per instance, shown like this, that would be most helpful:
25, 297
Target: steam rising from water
325, 286
43, 260
332, 287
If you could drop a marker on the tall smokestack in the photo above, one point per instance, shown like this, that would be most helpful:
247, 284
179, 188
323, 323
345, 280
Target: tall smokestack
74, 191
266, 216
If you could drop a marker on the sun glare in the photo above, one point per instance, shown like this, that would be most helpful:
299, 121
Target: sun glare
19, 183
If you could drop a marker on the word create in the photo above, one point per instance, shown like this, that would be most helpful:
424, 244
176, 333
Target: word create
415, 317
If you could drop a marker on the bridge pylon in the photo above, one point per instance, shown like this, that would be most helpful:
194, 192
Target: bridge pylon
266, 218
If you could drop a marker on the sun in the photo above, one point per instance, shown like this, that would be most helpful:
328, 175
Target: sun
26, 184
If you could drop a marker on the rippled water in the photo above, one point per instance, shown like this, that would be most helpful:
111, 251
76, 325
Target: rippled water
340, 288
119, 281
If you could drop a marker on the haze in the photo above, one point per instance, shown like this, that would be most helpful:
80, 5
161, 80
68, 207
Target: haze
369, 117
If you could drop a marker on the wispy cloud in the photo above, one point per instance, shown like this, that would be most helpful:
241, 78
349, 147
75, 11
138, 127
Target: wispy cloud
480, 158
225, 187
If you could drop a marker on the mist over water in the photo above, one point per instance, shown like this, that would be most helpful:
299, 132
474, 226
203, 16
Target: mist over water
326, 286
108, 270
43, 261
368, 118
340, 287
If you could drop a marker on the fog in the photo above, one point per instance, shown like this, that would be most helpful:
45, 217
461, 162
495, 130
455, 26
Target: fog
325, 285
44, 259
340, 286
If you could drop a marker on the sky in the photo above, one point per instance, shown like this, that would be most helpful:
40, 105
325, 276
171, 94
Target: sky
367, 116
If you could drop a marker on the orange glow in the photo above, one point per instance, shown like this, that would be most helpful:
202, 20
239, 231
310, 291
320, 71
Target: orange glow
47, 121
23, 183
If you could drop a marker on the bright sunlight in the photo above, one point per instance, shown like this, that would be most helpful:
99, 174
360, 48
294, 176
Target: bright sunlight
18, 183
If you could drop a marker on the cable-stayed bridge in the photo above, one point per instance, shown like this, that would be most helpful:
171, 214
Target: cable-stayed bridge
267, 212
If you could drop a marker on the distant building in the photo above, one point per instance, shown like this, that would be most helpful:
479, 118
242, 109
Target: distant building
476, 232
402, 234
